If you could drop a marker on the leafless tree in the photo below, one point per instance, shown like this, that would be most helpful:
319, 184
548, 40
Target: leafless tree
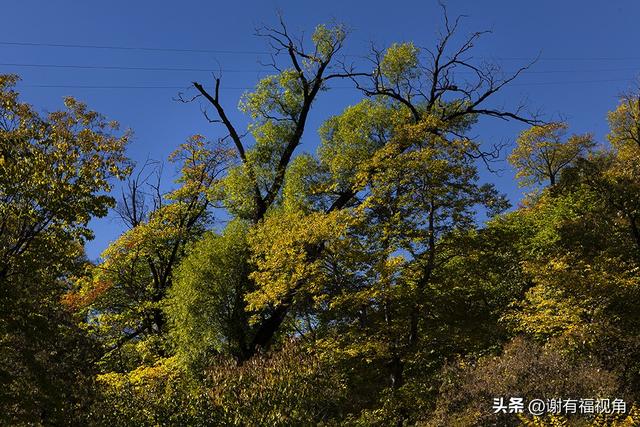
141, 194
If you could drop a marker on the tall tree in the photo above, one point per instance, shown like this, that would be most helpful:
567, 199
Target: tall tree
54, 172
123, 295
415, 90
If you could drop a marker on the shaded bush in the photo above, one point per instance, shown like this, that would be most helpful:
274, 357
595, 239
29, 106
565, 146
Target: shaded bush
284, 388
524, 369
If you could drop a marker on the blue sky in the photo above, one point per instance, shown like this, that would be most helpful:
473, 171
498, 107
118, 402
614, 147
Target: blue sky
588, 56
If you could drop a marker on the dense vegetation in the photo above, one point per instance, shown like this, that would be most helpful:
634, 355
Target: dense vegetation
375, 282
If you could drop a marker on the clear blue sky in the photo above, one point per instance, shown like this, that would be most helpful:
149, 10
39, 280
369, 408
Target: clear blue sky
589, 55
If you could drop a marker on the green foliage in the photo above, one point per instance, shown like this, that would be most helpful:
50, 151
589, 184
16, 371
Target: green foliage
377, 281
304, 180
287, 387
123, 297
326, 38
400, 64
350, 140
205, 304
54, 172
524, 370
238, 192
161, 394
541, 154
43, 380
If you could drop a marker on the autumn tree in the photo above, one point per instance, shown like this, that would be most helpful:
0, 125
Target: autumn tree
542, 152
622, 177
583, 255
377, 280
624, 121
298, 205
569, 288
123, 296
54, 172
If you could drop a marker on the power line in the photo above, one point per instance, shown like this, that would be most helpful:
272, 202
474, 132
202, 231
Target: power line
113, 87
569, 58
571, 82
148, 49
119, 67
259, 52
63, 86
52, 86
188, 69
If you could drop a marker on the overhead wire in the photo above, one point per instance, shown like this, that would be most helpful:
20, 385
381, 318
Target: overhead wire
260, 52
254, 52
149, 49
193, 69
65, 86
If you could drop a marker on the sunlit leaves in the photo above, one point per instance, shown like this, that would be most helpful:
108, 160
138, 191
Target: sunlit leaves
206, 304
55, 169
352, 138
326, 38
55, 173
541, 153
624, 123
123, 296
286, 262
400, 64
278, 95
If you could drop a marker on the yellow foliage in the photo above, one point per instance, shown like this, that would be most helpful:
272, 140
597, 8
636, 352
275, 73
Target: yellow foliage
541, 152
283, 246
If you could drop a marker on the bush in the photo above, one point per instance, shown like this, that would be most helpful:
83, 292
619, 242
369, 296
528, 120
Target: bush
524, 369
